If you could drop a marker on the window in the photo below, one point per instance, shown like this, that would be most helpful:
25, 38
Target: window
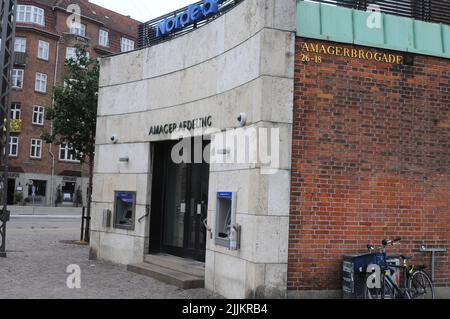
20, 45
17, 78
71, 53
124, 207
15, 111
30, 14
38, 115
103, 38
36, 148
78, 29
43, 50
126, 44
41, 82
67, 153
13, 146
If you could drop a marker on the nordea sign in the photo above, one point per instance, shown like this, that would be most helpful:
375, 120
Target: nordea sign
193, 14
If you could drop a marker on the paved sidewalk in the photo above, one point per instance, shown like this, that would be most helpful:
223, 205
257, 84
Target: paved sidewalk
37, 261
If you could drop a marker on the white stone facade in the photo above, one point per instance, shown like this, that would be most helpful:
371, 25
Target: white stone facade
240, 62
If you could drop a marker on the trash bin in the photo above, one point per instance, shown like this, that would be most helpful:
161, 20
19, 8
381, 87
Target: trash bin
354, 273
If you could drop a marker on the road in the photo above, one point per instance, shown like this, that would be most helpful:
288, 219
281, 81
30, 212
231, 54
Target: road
41, 248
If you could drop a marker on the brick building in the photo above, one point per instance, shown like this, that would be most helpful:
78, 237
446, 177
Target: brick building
44, 39
359, 117
370, 154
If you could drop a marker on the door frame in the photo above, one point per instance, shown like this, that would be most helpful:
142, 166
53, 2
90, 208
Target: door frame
160, 154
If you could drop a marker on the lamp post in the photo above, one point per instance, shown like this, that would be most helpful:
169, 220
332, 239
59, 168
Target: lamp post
7, 35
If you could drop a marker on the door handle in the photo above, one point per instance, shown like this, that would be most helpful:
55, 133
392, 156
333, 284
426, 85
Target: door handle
147, 213
182, 208
205, 223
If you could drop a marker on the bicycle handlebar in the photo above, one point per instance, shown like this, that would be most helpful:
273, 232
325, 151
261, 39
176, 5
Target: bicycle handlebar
384, 243
387, 242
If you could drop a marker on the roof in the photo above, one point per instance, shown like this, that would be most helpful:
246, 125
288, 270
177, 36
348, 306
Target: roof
110, 19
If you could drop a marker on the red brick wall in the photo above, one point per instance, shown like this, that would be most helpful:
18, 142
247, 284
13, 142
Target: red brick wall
370, 160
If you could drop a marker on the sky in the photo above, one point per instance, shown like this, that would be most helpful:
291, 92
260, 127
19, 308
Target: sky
143, 10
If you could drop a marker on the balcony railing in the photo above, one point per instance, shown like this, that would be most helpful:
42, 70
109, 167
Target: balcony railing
437, 11
20, 58
148, 30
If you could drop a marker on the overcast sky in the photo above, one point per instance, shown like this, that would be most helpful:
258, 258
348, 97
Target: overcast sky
143, 10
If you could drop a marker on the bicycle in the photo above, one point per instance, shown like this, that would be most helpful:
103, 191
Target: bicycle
416, 283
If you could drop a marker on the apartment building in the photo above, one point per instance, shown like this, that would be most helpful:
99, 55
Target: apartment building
45, 37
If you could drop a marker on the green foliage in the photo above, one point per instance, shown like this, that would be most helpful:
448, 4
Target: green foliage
78, 197
18, 198
74, 113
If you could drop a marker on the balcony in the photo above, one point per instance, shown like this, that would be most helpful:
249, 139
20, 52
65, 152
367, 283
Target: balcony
20, 58
437, 11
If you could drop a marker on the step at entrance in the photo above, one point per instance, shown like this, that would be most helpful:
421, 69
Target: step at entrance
181, 272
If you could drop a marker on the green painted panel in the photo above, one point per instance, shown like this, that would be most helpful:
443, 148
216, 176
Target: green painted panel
337, 23
367, 33
399, 32
446, 38
308, 19
334, 23
428, 37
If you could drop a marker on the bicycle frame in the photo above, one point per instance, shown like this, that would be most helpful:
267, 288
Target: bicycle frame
397, 290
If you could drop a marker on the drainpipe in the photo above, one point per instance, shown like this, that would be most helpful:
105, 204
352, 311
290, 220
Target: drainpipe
52, 202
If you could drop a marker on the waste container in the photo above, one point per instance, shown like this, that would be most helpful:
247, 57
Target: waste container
354, 274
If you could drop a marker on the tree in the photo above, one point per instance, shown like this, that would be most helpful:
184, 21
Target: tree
58, 199
78, 197
74, 114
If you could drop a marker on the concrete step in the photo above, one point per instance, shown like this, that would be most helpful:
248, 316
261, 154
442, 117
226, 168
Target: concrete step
169, 276
187, 266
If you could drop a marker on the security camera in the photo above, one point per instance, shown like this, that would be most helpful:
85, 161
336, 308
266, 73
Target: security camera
114, 138
242, 119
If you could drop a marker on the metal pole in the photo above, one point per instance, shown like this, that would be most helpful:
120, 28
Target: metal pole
8, 27
432, 265
433, 251
82, 224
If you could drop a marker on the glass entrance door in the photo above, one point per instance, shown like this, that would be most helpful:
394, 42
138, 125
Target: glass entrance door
198, 206
175, 207
185, 203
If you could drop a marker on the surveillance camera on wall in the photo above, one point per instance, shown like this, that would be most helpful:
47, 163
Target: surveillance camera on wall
242, 119
114, 138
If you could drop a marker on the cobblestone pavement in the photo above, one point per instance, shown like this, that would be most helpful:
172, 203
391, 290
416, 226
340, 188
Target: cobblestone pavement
37, 261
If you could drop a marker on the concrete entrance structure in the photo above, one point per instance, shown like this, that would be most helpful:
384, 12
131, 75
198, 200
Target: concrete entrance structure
242, 62
365, 123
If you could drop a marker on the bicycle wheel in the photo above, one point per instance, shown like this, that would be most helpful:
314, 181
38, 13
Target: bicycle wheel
377, 293
420, 285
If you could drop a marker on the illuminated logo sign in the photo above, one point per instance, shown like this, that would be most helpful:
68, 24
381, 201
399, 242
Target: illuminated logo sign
193, 14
